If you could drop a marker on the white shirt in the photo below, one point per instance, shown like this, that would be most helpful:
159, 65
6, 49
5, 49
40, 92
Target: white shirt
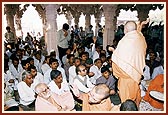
81, 87
157, 70
38, 63
44, 68
15, 72
8, 53
39, 78
89, 51
63, 73
59, 61
62, 41
72, 74
8, 76
95, 54
26, 93
9, 97
25, 57
54, 88
146, 73
64, 59
47, 78
97, 73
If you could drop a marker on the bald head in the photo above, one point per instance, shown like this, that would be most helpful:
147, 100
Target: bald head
130, 26
102, 89
39, 87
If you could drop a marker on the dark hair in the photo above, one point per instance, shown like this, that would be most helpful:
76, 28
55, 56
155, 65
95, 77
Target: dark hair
30, 59
76, 58
54, 74
70, 55
128, 105
82, 53
51, 60
46, 57
15, 59
78, 68
24, 62
97, 60
32, 67
89, 61
52, 53
90, 26
102, 55
65, 26
7, 28
104, 69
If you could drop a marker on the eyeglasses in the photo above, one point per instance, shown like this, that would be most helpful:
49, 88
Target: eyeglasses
83, 70
47, 88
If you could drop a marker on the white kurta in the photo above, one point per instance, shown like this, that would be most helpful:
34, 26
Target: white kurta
97, 73
26, 93
81, 87
54, 88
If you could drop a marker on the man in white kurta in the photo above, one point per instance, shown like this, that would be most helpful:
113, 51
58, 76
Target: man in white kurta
26, 93
82, 81
96, 69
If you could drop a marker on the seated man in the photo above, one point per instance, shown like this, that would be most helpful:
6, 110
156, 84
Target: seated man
50, 101
61, 88
110, 81
82, 81
95, 100
26, 93
149, 103
9, 100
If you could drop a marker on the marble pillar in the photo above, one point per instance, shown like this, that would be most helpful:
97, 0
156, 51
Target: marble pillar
76, 20
69, 18
87, 21
51, 29
109, 32
18, 26
10, 11
97, 21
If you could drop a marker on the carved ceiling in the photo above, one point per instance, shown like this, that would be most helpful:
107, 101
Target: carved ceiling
77, 9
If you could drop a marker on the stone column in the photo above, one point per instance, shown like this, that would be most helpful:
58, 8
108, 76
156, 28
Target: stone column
10, 11
51, 30
143, 11
87, 21
76, 16
109, 13
18, 17
40, 8
97, 21
44, 29
69, 18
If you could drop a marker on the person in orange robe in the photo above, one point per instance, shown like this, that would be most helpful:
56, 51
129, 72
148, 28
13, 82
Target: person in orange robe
157, 84
95, 100
129, 61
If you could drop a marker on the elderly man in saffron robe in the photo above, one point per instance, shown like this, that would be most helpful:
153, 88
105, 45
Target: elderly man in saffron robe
129, 61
